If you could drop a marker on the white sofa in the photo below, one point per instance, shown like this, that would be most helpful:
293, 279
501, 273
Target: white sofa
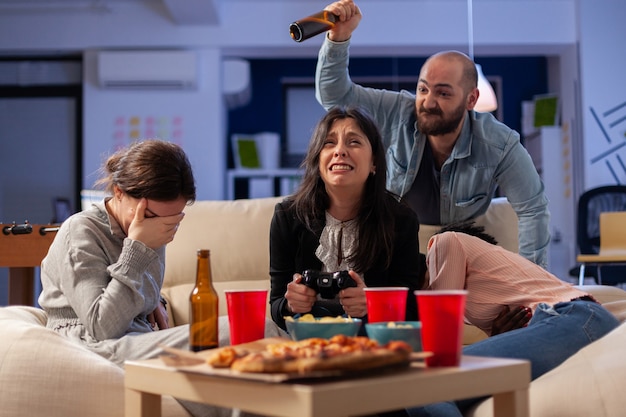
236, 232
41, 373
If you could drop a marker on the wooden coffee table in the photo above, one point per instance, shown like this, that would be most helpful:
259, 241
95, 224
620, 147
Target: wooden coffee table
506, 379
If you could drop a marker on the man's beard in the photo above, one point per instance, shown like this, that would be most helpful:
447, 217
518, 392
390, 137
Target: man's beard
439, 126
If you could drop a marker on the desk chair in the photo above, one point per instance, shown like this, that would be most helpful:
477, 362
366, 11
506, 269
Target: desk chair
612, 245
590, 204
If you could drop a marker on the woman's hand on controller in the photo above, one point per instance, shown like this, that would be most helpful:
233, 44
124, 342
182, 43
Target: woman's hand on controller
300, 298
352, 299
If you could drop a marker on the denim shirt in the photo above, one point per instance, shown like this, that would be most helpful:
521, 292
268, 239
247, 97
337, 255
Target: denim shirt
487, 154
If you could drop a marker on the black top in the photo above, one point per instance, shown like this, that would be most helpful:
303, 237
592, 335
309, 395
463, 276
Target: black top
424, 196
292, 249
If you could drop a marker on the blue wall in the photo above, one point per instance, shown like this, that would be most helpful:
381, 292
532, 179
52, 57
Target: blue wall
522, 78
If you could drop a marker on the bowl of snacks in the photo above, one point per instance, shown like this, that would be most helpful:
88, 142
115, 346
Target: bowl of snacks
307, 326
407, 331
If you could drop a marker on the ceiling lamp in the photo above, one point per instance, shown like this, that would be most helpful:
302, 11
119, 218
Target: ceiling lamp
487, 101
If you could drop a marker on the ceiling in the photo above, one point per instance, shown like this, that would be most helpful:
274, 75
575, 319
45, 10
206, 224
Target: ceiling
182, 11
206, 13
205, 10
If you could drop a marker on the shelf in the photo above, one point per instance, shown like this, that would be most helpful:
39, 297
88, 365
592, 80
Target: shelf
258, 183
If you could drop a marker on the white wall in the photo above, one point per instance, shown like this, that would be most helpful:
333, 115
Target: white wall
603, 87
559, 148
192, 118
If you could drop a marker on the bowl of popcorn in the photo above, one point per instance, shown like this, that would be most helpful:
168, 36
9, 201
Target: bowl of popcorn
307, 326
407, 331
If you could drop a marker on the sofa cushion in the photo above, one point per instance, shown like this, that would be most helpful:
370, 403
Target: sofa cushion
498, 214
617, 308
237, 234
179, 311
604, 293
42, 373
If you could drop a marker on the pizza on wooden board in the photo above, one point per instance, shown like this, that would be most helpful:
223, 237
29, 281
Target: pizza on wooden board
341, 353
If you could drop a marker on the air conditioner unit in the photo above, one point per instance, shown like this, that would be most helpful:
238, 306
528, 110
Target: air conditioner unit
148, 69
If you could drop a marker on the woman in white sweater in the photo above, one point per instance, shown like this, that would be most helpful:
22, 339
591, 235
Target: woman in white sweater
102, 277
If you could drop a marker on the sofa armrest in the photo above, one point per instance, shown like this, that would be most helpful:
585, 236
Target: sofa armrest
43, 373
604, 293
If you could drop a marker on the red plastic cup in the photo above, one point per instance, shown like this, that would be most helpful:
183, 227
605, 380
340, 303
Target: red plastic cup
441, 313
246, 315
386, 303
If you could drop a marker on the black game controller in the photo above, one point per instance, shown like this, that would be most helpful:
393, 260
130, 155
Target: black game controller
327, 284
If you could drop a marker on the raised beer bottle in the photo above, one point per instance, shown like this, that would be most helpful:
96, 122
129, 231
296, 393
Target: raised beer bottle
310, 26
203, 301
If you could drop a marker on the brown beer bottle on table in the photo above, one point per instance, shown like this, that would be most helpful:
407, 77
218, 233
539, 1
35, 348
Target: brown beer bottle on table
203, 302
310, 26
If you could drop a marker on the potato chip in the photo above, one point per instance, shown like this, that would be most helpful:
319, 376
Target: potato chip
311, 318
393, 324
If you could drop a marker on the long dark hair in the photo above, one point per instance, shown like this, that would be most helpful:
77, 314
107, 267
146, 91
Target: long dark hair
375, 220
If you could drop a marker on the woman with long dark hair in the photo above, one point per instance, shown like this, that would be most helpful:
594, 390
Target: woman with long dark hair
342, 218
